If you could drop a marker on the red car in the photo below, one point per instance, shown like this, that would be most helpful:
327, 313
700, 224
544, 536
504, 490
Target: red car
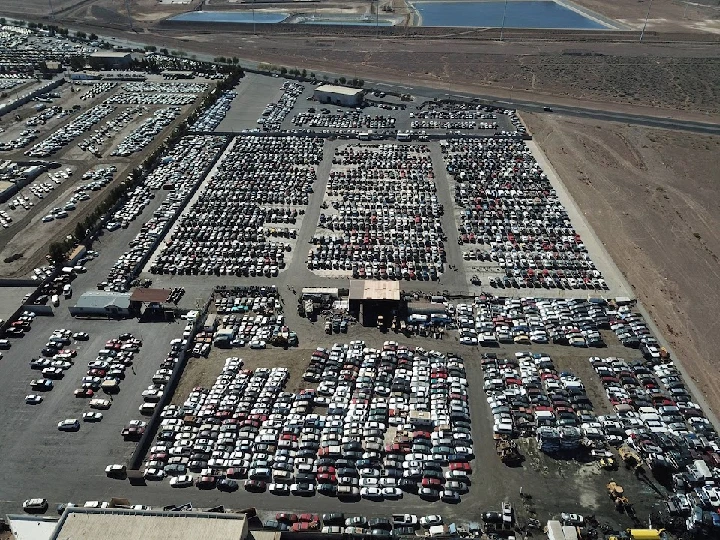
431, 482
308, 518
285, 517
454, 466
84, 393
326, 469
326, 478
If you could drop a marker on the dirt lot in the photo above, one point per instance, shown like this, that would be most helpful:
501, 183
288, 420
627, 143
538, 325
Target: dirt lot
651, 197
679, 77
665, 15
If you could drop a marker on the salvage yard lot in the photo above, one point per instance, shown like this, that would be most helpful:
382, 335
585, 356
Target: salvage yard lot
103, 137
556, 485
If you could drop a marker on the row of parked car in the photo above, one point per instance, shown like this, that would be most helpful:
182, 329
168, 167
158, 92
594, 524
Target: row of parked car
145, 133
274, 114
343, 120
529, 397
454, 124
509, 205
94, 142
129, 98
223, 232
64, 135
247, 426
97, 88
182, 168
179, 87
386, 218
211, 117
575, 322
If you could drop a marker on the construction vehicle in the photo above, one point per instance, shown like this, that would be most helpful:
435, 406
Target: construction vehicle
630, 457
508, 451
608, 463
617, 495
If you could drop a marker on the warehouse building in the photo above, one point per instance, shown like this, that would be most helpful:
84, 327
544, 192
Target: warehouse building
339, 95
102, 304
371, 299
121, 523
110, 59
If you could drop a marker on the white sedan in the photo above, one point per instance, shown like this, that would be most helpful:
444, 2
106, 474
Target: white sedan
371, 493
392, 493
92, 416
181, 481
33, 399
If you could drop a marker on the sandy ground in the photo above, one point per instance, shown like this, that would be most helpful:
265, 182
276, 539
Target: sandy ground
665, 15
651, 197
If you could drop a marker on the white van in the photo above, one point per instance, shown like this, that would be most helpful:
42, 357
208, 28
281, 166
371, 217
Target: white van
67, 291
55, 300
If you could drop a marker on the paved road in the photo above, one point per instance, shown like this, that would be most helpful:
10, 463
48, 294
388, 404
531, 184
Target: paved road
599, 112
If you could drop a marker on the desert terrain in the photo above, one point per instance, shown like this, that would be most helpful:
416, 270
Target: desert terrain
651, 197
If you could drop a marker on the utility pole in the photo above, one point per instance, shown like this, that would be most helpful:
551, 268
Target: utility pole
127, 7
647, 15
502, 27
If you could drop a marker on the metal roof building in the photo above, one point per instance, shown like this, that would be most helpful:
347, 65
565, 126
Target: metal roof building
122, 524
368, 289
370, 300
338, 95
102, 303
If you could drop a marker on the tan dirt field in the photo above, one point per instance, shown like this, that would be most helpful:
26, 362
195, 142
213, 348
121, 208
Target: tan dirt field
651, 197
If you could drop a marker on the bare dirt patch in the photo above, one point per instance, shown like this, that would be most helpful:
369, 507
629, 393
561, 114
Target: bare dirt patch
651, 197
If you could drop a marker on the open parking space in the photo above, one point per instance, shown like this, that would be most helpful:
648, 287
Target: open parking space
254, 92
33, 445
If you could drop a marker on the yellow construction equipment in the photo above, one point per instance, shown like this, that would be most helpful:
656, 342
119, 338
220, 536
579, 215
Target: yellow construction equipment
631, 458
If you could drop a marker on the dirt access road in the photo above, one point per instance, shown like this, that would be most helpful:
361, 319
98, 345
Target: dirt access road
651, 197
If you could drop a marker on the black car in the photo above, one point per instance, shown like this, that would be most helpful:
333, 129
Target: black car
403, 531
380, 523
227, 485
333, 519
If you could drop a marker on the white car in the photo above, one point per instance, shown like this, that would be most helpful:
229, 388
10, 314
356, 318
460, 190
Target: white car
99, 403
35, 505
33, 399
96, 504
429, 521
392, 493
69, 424
115, 470
181, 481
371, 493
279, 489
92, 416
